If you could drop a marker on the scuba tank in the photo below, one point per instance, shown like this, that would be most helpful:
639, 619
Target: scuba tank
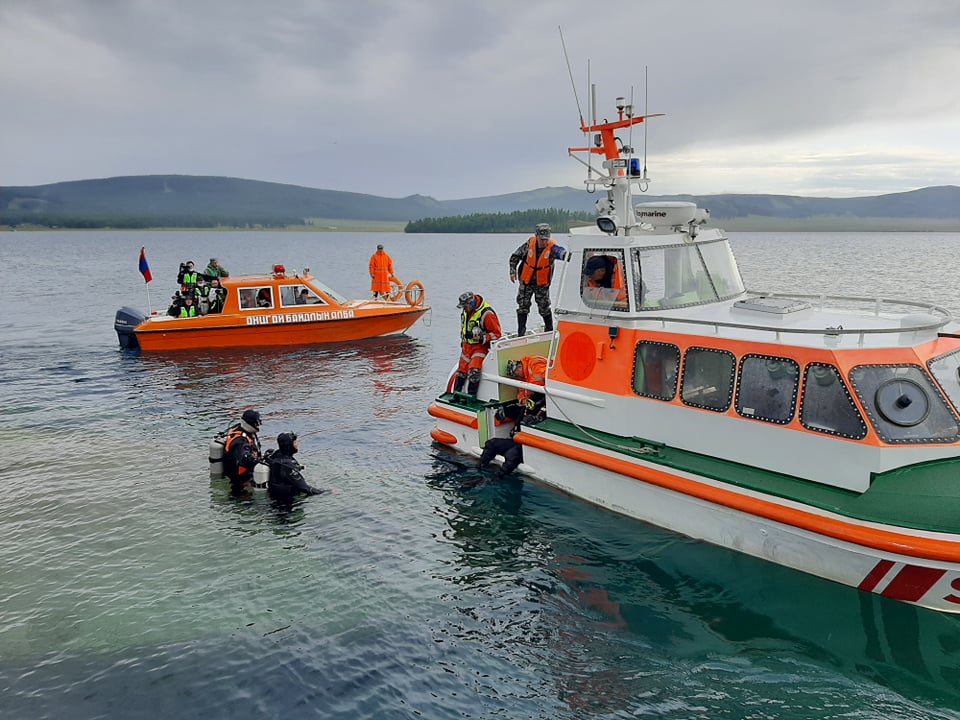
216, 454
261, 474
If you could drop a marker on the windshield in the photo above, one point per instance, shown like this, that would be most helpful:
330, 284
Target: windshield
679, 275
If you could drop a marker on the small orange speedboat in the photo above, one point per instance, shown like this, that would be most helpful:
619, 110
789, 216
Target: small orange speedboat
279, 308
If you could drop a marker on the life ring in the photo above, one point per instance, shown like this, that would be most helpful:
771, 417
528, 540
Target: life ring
414, 293
396, 290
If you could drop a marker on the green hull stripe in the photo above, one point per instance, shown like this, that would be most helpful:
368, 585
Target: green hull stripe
923, 496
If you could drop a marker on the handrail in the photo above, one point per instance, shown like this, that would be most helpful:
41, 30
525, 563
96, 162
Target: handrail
944, 316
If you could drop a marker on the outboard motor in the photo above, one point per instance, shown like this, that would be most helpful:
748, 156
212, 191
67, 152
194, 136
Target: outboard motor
126, 320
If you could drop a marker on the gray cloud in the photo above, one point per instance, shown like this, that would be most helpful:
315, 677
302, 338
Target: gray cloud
458, 99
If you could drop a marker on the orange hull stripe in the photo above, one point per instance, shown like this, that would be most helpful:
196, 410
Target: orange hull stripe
444, 413
883, 540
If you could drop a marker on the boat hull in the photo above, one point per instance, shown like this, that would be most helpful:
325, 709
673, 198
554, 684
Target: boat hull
921, 568
272, 330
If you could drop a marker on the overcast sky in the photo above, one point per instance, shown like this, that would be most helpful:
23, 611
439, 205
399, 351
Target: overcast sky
464, 99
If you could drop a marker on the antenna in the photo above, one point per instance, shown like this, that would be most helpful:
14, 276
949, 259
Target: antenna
570, 72
645, 181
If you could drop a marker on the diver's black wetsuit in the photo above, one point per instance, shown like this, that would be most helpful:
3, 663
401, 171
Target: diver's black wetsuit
285, 478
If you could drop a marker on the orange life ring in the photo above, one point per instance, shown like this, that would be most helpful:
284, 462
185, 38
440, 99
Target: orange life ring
396, 290
414, 293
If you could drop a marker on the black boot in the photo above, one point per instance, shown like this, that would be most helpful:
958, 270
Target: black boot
521, 323
547, 322
473, 382
458, 382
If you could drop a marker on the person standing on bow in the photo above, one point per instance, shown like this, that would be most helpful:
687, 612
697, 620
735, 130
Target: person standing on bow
479, 326
241, 451
381, 272
285, 478
532, 262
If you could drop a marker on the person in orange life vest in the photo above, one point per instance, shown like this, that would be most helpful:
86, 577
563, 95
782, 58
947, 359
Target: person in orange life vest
241, 451
602, 281
381, 270
479, 326
532, 262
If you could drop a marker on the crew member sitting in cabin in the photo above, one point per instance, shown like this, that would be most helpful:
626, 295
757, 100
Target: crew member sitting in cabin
603, 281
285, 478
264, 298
248, 299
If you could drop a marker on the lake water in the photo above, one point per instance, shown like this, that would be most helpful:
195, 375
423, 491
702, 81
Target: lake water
134, 586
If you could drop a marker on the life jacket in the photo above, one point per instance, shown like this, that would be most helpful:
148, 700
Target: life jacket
541, 264
234, 434
190, 279
468, 323
188, 311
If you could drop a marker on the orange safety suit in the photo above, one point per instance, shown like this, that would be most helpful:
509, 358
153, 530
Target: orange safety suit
381, 270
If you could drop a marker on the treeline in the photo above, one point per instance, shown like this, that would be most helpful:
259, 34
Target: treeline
92, 221
519, 221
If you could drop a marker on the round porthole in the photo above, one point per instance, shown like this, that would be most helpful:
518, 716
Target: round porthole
903, 402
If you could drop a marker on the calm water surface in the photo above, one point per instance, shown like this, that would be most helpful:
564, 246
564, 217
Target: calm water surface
134, 586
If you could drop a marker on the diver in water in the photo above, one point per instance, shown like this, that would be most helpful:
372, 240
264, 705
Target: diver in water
285, 478
241, 451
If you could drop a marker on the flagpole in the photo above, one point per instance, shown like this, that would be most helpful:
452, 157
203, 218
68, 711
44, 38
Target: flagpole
149, 306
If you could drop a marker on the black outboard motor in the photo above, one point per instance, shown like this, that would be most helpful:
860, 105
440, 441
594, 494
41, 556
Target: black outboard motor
126, 320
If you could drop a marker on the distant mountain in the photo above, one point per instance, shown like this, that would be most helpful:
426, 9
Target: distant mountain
198, 201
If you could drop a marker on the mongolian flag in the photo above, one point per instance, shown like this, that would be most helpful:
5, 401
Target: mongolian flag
144, 268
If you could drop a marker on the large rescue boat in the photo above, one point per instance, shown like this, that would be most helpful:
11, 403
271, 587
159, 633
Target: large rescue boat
818, 432
277, 308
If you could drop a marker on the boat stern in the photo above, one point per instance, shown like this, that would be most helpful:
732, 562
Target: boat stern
125, 322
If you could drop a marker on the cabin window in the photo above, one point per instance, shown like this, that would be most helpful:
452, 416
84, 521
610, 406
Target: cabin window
827, 406
722, 269
707, 378
683, 275
255, 298
767, 388
946, 371
602, 280
656, 367
292, 295
903, 404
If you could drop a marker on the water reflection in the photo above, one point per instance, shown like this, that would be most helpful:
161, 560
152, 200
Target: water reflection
604, 586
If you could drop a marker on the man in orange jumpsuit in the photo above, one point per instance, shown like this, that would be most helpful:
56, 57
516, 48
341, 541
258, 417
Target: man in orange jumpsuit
479, 326
381, 271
